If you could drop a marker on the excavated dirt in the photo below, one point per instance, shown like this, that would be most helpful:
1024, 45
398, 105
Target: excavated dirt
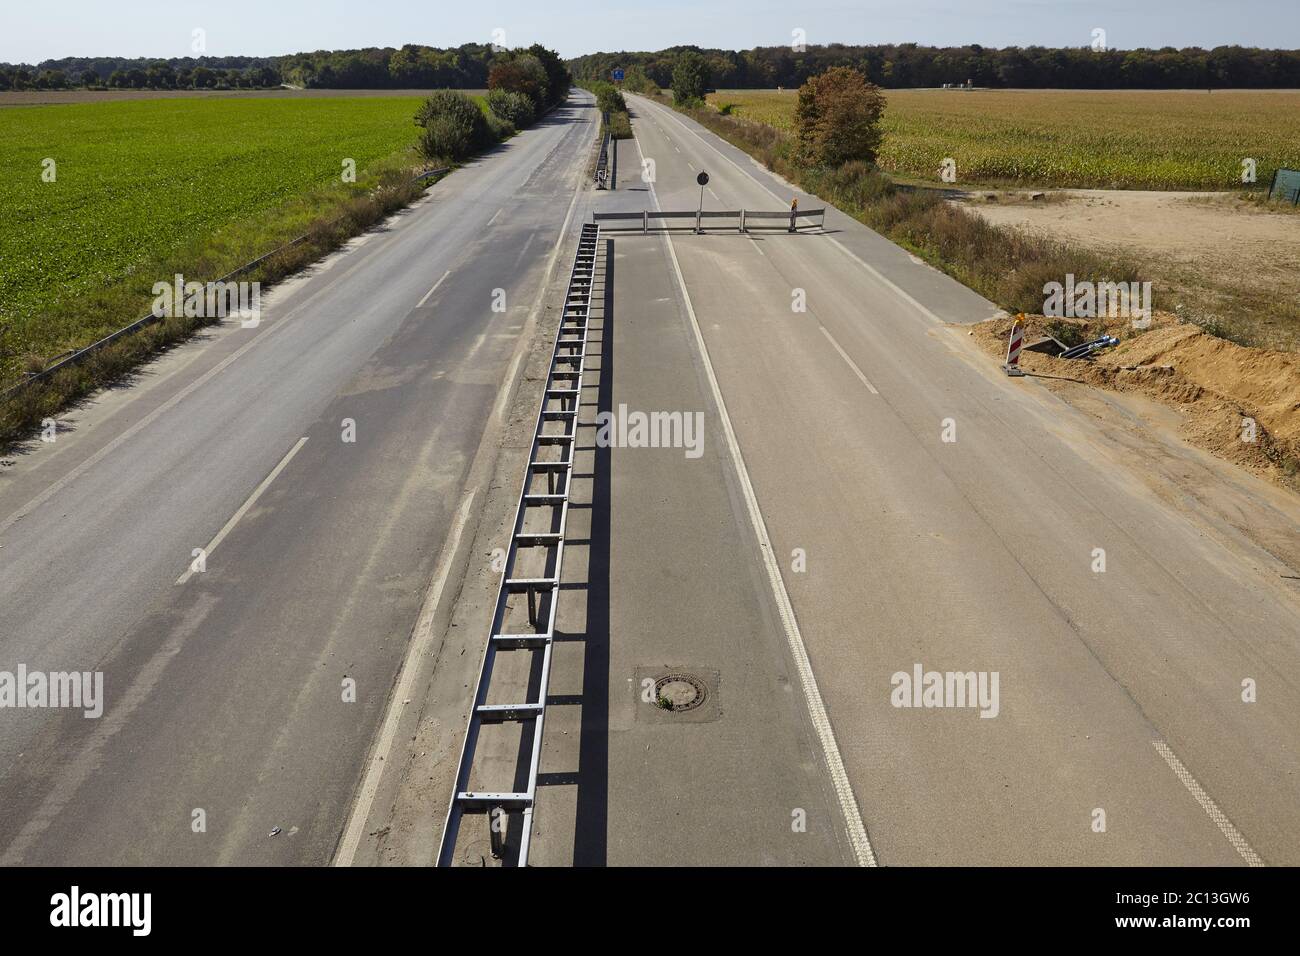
1211, 383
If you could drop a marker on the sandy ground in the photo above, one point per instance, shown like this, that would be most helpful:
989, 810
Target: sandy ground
1215, 233
1209, 385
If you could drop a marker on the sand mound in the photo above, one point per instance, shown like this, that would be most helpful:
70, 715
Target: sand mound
1213, 383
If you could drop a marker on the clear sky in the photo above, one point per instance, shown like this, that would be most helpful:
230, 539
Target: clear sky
33, 31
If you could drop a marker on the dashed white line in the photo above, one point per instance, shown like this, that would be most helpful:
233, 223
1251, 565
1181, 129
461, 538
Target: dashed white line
495, 214
852, 364
420, 304
1208, 805
821, 722
243, 509
876, 273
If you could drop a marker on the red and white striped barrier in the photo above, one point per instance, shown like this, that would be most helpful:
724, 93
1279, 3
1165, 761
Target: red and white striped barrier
1012, 365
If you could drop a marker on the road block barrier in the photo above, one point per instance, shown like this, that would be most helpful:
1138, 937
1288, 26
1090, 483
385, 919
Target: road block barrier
1014, 345
745, 220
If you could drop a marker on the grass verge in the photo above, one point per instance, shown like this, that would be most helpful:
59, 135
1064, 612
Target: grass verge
327, 216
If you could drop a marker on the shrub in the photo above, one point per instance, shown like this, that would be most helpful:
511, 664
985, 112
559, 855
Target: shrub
522, 74
635, 79
608, 98
620, 126
690, 79
514, 108
500, 128
454, 127
838, 118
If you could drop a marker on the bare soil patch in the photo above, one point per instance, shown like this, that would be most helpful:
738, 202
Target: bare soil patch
1212, 384
1232, 263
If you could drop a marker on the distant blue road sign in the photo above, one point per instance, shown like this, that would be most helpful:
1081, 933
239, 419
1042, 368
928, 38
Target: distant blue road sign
618, 75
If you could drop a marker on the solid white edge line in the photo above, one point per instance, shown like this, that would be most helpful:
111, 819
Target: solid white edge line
857, 831
243, 509
420, 304
359, 815
422, 637
875, 273
1208, 805
845, 355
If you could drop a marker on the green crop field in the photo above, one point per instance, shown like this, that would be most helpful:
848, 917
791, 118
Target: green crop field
138, 180
1109, 139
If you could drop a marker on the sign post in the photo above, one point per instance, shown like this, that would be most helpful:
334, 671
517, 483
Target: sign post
703, 180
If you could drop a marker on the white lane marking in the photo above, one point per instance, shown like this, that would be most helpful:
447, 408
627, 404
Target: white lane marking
1208, 805
675, 149
876, 273
495, 214
243, 509
845, 355
143, 423
709, 190
420, 304
420, 641
895, 288
821, 721
499, 409
690, 164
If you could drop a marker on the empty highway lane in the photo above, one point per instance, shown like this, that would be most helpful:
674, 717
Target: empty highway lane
315, 464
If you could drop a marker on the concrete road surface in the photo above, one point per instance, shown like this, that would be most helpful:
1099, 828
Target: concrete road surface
321, 461
927, 514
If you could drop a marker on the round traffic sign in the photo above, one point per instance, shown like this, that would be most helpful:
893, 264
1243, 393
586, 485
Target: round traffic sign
702, 179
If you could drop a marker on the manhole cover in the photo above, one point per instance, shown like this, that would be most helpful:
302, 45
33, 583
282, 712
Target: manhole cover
678, 692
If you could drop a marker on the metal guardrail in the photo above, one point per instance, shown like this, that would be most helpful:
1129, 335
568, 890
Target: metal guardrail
80, 355
696, 218
602, 163
556, 430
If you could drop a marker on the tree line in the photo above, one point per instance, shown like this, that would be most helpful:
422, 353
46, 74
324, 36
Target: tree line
411, 67
207, 72
912, 65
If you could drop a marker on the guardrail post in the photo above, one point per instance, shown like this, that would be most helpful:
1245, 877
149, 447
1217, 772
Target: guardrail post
645, 221
697, 222
742, 220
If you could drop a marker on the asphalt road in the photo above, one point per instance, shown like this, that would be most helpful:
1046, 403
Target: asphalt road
226, 691
949, 518
825, 539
